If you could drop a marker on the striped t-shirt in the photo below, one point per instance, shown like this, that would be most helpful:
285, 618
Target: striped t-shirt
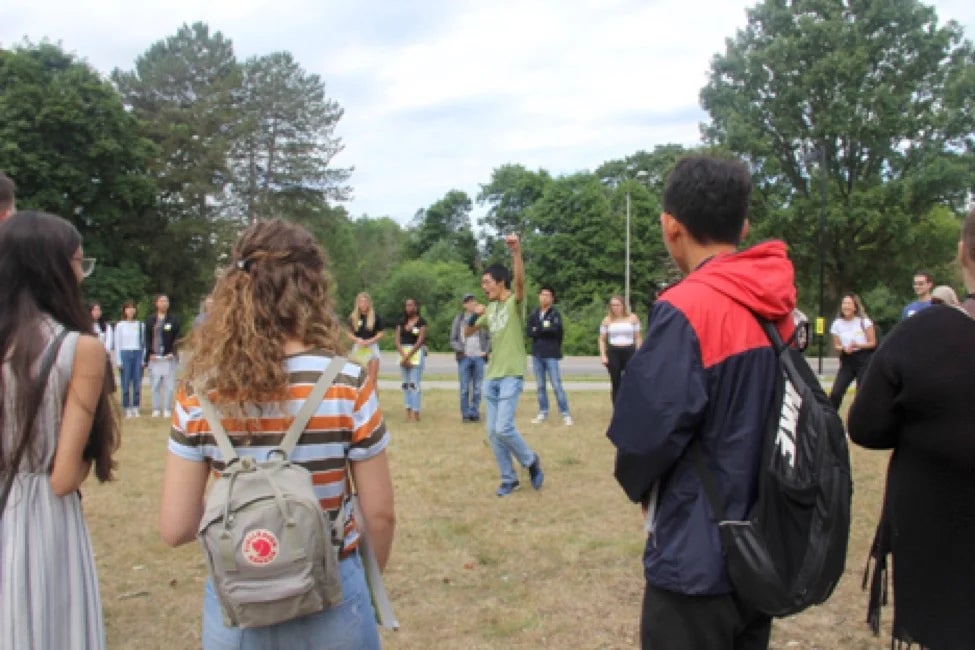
347, 426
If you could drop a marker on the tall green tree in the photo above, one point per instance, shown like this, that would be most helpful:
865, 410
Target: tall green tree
183, 91
74, 151
446, 223
876, 97
509, 196
283, 155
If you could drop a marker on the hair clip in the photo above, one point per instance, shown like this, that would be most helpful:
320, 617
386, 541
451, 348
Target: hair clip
242, 265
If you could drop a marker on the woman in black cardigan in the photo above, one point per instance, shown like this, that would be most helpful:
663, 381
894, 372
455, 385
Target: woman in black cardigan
917, 399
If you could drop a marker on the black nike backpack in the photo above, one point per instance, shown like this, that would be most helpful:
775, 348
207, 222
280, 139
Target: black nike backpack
791, 550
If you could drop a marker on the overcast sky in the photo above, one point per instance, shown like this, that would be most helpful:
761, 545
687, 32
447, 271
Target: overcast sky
438, 93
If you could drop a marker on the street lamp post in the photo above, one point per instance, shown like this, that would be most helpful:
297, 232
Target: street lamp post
822, 257
639, 174
819, 155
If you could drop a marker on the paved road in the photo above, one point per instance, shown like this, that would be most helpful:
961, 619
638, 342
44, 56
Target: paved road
441, 363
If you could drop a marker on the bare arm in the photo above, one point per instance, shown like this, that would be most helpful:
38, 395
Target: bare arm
375, 490
871, 335
84, 389
470, 329
836, 343
184, 482
517, 267
421, 337
637, 337
602, 343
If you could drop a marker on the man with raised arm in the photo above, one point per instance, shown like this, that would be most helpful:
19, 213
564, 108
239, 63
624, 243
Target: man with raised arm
504, 316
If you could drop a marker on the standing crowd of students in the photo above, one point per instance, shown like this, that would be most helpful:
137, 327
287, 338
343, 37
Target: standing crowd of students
704, 375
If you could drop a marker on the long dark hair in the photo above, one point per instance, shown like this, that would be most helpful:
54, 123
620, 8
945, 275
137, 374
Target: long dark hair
416, 302
102, 320
37, 279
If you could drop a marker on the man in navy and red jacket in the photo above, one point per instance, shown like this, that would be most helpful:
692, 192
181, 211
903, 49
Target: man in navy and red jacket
705, 372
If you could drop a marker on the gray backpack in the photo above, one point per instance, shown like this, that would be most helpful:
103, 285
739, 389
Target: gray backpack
271, 550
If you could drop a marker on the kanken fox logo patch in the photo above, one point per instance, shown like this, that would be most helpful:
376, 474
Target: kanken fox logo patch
260, 547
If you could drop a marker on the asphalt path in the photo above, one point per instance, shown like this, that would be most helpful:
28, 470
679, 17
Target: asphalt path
444, 363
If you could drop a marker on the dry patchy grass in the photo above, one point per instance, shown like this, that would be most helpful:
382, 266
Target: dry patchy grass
558, 568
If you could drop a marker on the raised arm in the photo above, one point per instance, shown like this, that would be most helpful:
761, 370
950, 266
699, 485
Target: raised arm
517, 267
84, 389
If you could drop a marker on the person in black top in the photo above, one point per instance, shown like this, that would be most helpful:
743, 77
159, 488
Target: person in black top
916, 398
366, 330
545, 331
162, 332
411, 332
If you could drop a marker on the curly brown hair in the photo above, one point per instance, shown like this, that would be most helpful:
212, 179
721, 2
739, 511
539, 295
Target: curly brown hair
275, 289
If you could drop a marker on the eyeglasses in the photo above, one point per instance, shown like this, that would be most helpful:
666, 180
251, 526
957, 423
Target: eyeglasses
87, 265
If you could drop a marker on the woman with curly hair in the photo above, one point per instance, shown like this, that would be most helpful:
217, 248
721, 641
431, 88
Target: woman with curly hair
56, 421
269, 336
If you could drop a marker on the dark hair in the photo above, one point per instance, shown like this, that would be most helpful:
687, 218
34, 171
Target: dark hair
126, 305
709, 196
37, 279
102, 321
499, 273
925, 274
7, 190
548, 287
415, 302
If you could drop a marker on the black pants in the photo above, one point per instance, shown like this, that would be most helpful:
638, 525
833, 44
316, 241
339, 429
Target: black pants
618, 357
672, 621
852, 366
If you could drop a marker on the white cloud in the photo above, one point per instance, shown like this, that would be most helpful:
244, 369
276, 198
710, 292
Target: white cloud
439, 93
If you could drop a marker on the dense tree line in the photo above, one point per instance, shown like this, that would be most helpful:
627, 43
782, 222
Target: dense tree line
161, 165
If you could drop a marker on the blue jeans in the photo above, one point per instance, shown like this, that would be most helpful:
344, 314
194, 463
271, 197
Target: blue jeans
411, 381
131, 377
501, 395
550, 367
470, 372
350, 625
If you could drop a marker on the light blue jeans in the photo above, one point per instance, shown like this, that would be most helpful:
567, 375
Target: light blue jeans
470, 372
411, 381
550, 367
348, 626
502, 395
162, 381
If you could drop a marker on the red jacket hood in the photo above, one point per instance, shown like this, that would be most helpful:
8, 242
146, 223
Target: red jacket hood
760, 278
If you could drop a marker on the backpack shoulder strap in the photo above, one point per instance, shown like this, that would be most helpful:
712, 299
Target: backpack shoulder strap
311, 404
696, 452
47, 363
216, 428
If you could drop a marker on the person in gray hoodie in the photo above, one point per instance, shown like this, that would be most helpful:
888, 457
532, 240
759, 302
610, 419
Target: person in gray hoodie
471, 352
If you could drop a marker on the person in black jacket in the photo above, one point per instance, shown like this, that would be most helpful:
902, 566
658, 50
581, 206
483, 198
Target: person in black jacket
916, 398
545, 331
705, 373
162, 332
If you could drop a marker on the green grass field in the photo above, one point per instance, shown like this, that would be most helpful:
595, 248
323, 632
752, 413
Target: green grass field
557, 568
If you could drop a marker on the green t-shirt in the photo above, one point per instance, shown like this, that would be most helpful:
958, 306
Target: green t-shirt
506, 321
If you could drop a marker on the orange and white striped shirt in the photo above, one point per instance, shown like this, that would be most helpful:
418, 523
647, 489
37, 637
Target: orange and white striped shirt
347, 427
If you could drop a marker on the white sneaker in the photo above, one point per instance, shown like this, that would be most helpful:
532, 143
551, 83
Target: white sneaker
538, 419
135, 411
155, 413
167, 413
567, 420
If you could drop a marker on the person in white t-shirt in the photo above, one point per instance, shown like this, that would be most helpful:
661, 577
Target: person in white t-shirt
855, 338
